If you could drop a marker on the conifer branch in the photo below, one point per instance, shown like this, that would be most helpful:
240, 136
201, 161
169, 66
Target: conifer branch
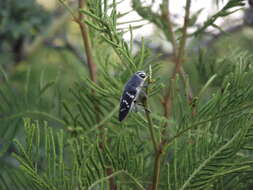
88, 52
92, 70
208, 150
194, 125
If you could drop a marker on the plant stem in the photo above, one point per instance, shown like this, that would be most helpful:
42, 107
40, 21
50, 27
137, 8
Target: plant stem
86, 42
157, 166
157, 170
180, 55
92, 71
109, 172
150, 126
150, 122
158, 149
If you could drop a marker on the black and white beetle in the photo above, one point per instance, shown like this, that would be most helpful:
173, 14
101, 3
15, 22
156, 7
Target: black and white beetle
131, 93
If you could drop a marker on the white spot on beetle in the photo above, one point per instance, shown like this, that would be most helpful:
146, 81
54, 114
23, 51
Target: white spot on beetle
130, 95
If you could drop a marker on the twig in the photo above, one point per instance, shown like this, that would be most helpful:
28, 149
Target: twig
158, 149
157, 167
178, 61
150, 122
92, 71
181, 47
86, 42
178, 55
151, 128
181, 51
109, 172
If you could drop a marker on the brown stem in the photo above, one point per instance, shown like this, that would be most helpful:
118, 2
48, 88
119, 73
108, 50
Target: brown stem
92, 71
156, 177
180, 56
157, 149
150, 125
109, 172
157, 171
157, 166
167, 101
86, 42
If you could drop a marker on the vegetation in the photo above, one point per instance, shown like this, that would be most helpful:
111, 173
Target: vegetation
59, 122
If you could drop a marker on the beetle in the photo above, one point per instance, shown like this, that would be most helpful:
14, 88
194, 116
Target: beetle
131, 93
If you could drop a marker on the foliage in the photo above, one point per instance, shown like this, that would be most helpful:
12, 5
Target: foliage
202, 140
